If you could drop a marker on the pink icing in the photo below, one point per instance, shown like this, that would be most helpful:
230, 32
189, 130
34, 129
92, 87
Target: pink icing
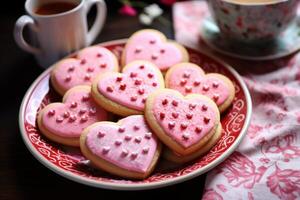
131, 88
132, 149
147, 45
68, 119
186, 123
197, 82
80, 71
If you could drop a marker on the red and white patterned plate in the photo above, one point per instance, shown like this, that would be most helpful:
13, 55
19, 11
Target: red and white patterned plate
70, 163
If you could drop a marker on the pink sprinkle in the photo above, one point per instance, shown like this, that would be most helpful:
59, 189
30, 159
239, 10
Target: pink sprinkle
183, 125
186, 75
154, 56
82, 110
206, 120
133, 155
142, 67
148, 135
137, 139
186, 136
123, 86
124, 152
162, 115
103, 65
146, 150
118, 142
136, 127
150, 75
215, 84
68, 78
90, 69
192, 106
100, 134
198, 129
138, 82
84, 118
85, 97
105, 150
87, 77
183, 82
133, 74
133, 98
171, 125
109, 89
138, 49
141, 91
98, 55
83, 61
152, 41
59, 119
128, 137
121, 129
205, 87
164, 102
188, 89
51, 112
196, 82
119, 79
175, 103
175, 115
70, 69
73, 104
162, 51
66, 114
189, 115
204, 107
72, 118
154, 84
216, 97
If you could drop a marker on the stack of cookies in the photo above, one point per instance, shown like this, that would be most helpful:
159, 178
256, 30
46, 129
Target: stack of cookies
165, 105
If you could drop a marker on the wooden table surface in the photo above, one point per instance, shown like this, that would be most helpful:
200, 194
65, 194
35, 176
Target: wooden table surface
21, 175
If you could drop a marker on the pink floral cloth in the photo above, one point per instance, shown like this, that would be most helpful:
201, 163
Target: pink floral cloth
266, 165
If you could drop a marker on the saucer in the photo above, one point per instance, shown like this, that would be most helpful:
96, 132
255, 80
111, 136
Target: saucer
287, 43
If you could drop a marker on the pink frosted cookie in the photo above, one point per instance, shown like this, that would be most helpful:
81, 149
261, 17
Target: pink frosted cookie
184, 124
64, 122
153, 46
174, 157
125, 93
189, 78
126, 148
81, 70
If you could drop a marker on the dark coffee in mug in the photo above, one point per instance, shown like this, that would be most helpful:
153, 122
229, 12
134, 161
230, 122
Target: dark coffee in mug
54, 8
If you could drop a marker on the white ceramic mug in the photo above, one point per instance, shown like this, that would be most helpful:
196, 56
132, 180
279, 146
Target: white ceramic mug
54, 36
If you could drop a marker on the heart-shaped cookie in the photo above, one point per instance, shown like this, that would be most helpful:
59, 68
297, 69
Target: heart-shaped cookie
126, 148
188, 78
184, 124
126, 93
174, 157
64, 122
81, 70
153, 46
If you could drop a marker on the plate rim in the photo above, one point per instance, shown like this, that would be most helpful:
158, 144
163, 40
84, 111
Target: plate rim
135, 186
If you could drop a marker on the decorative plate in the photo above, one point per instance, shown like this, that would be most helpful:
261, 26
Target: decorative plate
69, 162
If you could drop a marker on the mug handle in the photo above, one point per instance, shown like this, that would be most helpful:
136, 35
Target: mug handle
18, 33
99, 21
